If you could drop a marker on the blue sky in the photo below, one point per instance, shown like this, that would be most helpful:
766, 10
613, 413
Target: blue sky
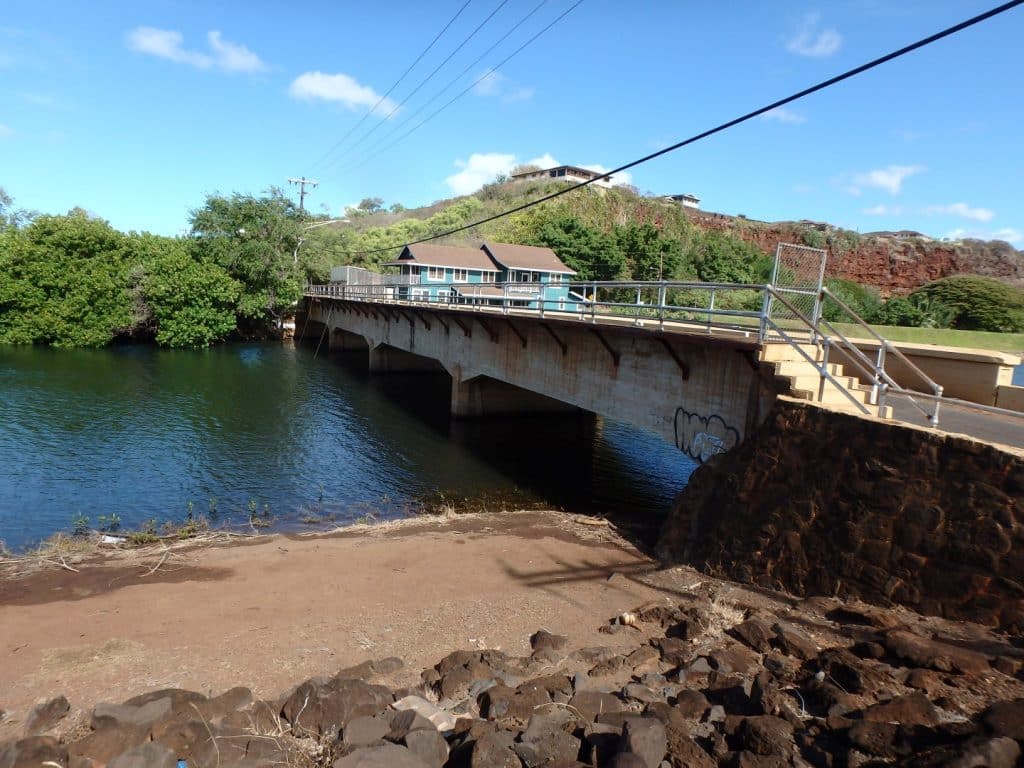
136, 111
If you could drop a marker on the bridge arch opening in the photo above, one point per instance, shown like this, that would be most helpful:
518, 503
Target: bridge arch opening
485, 396
345, 341
387, 359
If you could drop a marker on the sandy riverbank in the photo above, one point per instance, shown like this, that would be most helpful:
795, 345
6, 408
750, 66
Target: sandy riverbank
273, 610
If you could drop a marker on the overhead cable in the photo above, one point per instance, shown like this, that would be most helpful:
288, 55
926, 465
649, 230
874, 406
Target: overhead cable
394, 84
373, 148
468, 88
949, 31
428, 78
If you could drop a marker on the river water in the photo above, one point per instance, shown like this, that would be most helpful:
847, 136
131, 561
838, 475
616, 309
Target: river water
146, 434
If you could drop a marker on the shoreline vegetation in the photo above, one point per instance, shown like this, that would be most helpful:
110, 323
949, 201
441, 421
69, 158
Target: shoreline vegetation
74, 551
67, 548
72, 280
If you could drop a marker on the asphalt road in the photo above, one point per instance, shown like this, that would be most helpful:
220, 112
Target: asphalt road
996, 428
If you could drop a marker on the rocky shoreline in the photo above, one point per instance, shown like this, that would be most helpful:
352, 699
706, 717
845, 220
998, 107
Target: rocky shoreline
695, 680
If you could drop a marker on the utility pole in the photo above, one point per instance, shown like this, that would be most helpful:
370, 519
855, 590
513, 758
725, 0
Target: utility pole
302, 189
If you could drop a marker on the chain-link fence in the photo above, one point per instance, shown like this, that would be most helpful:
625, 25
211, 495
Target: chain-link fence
797, 277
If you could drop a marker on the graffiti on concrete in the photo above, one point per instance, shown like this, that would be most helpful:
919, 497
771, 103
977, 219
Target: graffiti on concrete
701, 437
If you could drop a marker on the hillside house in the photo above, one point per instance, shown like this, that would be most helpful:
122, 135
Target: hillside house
686, 200
491, 274
569, 173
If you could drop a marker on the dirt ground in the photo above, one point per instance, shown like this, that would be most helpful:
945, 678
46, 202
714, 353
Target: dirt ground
271, 612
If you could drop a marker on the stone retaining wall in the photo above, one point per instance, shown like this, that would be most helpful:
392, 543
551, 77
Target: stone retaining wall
824, 503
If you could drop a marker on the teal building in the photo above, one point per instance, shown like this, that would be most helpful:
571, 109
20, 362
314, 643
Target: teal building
495, 274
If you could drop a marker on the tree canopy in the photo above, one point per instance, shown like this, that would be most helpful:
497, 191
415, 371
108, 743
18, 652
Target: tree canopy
255, 240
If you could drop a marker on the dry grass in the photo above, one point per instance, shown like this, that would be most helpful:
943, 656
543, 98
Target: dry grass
724, 616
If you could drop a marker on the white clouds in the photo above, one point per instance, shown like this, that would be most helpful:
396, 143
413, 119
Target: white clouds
340, 88
890, 178
478, 170
811, 40
961, 209
544, 161
492, 83
166, 44
1008, 234
621, 178
5, 131
884, 210
481, 168
783, 115
169, 44
233, 57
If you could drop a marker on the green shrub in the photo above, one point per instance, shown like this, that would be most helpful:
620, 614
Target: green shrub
863, 300
975, 303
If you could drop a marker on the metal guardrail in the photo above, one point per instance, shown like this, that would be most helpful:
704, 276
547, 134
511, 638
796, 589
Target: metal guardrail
710, 307
688, 303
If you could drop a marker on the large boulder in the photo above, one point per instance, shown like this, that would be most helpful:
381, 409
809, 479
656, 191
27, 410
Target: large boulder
323, 709
46, 715
33, 752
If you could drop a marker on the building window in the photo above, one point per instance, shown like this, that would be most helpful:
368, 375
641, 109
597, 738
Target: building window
460, 276
435, 273
555, 278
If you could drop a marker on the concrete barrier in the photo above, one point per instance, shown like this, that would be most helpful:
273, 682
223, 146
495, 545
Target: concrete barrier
969, 374
1010, 397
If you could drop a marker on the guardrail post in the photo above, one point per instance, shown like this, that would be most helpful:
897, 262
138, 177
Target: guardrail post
938, 402
593, 303
766, 304
711, 308
879, 370
661, 306
826, 346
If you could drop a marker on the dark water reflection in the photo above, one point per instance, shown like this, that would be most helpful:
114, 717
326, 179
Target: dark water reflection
140, 433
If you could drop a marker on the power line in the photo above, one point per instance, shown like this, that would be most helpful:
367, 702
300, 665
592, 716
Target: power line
949, 31
454, 80
428, 78
467, 89
395, 84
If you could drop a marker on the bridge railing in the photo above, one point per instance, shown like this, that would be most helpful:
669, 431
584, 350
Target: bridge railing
710, 306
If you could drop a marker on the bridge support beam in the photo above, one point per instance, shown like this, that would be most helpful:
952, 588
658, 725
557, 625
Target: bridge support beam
388, 359
484, 396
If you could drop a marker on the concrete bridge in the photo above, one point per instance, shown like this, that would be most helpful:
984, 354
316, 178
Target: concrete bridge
698, 364
701, 391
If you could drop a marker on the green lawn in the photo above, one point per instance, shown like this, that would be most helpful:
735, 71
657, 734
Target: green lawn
1003, 342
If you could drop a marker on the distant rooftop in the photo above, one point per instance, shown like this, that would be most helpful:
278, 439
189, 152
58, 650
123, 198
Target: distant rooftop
562, 171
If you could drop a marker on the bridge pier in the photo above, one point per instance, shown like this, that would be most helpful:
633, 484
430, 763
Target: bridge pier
483, 396
387, 359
